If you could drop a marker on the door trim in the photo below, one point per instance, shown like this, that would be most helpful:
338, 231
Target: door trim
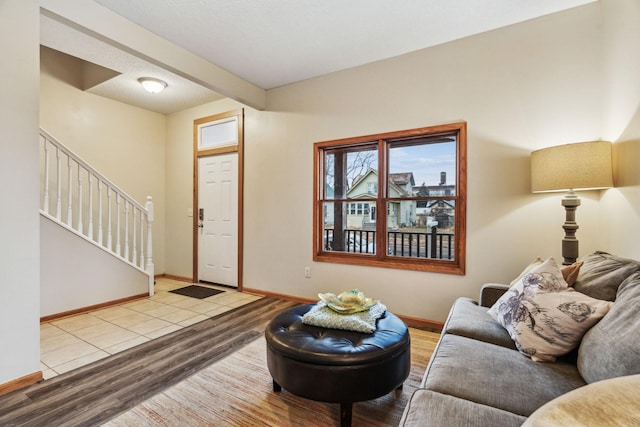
239, 148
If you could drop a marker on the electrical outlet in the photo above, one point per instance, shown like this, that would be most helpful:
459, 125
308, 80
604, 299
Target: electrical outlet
307, 272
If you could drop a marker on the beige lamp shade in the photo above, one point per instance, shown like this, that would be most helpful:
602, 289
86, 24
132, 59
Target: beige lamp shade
580, 166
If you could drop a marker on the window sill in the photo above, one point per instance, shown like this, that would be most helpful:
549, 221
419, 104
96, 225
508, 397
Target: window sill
431, 266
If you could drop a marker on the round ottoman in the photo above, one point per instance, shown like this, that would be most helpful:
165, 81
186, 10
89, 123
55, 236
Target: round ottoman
332, 365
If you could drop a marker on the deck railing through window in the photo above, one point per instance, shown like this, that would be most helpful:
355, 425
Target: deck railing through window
432, 245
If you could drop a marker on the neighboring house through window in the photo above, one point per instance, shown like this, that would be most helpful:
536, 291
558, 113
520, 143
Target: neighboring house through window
394, 200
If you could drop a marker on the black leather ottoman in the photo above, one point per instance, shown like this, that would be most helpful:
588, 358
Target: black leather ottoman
332, 365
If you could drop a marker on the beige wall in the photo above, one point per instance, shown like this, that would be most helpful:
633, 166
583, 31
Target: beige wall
76, 273
19, 219
519, 88
621, 214
124, 143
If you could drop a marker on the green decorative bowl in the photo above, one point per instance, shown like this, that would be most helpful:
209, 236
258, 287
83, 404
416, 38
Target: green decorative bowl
352, 305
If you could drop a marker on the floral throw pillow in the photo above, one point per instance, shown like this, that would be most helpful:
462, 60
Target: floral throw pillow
569, 272
544, 316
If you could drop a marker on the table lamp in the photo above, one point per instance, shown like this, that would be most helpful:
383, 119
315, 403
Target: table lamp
571, 167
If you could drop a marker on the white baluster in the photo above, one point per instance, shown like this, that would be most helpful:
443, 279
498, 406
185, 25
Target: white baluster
133, 234
90, 230
118, 247
69, 194
46, 176
100, 212
126, 230
149, 265
59, 185
109, 234
80, 181
142, 218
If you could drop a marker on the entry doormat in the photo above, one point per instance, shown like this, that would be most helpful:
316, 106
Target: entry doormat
195, 291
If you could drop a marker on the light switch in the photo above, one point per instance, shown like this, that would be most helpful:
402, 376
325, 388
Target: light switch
190, 212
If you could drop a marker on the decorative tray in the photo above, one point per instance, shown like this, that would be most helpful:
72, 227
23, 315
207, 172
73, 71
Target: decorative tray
348, 302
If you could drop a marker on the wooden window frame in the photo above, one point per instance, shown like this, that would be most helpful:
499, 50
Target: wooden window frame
381, 258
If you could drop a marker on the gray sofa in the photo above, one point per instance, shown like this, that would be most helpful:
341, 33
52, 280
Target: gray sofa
477, 376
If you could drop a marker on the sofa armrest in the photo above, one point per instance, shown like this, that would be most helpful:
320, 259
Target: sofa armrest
491, 292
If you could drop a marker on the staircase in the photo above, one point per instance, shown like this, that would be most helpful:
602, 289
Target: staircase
96, 241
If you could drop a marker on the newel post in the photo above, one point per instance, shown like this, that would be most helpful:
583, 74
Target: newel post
149, 263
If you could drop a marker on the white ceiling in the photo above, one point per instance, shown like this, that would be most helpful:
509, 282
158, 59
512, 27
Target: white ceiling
180, 93
272, 43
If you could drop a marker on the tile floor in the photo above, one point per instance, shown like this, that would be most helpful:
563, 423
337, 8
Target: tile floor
74, 341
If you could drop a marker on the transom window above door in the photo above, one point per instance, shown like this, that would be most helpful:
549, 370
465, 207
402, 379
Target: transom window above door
393, 200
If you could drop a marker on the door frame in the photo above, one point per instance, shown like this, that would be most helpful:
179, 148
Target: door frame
198, 153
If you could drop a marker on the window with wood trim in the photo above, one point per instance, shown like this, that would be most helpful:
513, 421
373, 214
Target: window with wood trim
394, 200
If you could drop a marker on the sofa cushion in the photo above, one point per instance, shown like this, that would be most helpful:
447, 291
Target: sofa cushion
601, 274
428, 408
612, 402
544, 316
497, 376
569, 272
470, 320
612, 347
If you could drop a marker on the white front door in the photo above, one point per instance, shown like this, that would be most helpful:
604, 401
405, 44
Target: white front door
218, 219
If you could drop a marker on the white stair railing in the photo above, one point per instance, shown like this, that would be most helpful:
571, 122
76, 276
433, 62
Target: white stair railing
91, 213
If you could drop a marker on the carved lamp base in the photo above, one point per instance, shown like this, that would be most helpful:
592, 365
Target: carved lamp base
569, 242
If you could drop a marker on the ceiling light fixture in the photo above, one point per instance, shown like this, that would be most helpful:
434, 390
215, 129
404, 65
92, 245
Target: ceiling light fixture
152, 85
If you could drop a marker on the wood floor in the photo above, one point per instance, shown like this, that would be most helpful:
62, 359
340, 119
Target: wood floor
237, 392
216, 366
